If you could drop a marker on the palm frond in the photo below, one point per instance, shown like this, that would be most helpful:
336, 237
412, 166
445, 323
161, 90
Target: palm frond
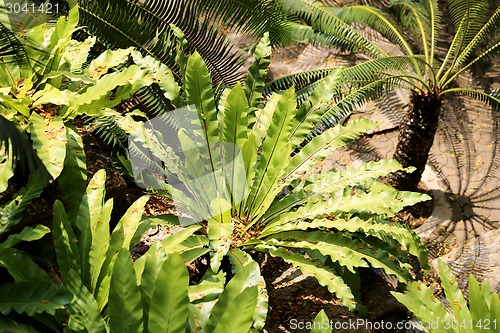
110, 131
302, 80
375, 18
490, 29
23, 154
476, 12
147, 26
321, 19
491, 99
12, 52
248, 16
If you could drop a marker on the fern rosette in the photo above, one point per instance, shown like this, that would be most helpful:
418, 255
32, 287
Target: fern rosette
240, 166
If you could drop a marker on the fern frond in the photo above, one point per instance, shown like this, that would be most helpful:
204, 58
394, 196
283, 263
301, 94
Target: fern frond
13, 53
110, 131
375, 18
146, 26
320, 18
492, 99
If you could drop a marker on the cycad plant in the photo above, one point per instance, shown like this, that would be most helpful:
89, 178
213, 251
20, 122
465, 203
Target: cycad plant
429, 77
239, 166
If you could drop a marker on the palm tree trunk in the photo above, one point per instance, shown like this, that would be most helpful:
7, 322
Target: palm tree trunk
416, 135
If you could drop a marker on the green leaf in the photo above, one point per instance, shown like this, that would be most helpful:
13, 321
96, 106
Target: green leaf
49, 140
13, 326
100, 244
124, 307
65, 243
73, 178
324, 275
257, 73
6, 168
88, 215
275, 151
244, 279
321, 323
239, 259
32, 297
238, 319
84, 311
22, 267
170, 297
200, 94
454, 295
26, 235
11, 213
220, 236
152, 263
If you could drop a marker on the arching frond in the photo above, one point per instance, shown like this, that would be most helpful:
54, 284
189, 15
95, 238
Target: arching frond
375, 18
321, 19
490, 29
12, 52
146, 26
301, 81
23, 154
476, 12
491, 99
415, 17
249, 16
348, 102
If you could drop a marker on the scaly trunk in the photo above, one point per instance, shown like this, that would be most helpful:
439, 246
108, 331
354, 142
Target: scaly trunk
416, 135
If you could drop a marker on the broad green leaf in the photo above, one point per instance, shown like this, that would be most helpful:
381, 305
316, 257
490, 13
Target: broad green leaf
22, 267
454, 295
170, 297
73, 178
239, 259
150, 264
100, 244
84, 314
105, 61
325, 276
321, 323
26, 235
121, 238
199, 93
88, 216
49, 140
65, 243
238, 319
241, 281
275, 155
124, 307
13, 326
220, 236
6, 169
32, 297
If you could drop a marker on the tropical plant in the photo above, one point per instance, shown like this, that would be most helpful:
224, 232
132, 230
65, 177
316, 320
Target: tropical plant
46, 81
453, 314
241, 169
430, 78
102, 290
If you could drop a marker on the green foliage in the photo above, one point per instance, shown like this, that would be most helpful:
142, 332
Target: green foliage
480, 313
475, 41
245, 170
